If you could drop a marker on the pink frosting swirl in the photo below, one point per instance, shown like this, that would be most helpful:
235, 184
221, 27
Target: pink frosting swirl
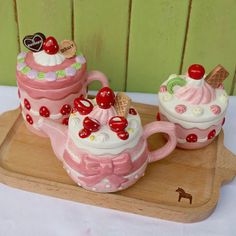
103, 115
196, 95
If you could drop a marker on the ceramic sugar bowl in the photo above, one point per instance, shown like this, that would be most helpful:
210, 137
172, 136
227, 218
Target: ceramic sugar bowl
105, 148
49, 78
196, 103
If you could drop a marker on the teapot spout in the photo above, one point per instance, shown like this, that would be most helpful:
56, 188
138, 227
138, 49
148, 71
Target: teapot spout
57, 134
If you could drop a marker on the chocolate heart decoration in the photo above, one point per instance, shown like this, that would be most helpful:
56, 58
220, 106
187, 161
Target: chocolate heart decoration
34, 42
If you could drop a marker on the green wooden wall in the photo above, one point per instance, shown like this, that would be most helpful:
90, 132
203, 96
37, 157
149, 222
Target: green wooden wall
137, 43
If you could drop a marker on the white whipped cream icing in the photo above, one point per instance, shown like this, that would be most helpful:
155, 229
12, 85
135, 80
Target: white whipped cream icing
196, 115
44, 59
105, 141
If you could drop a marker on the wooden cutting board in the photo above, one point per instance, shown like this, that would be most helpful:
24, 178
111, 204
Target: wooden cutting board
27, 162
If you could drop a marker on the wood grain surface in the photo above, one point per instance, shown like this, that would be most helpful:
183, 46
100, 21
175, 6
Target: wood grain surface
27, 162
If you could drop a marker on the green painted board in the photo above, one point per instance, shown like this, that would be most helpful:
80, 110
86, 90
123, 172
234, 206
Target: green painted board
101, 28
52, 17
212, 36
156, 42
8, 43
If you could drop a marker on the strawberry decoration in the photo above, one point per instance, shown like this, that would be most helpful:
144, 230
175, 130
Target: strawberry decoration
84, 133
50, 45
83, 106
132, 111
191, 138
105, 98
124, 135
158, 116
66, 109
212, 134
43, 111
65, 121
27, 104
91, 124
29, 119
118, 123
196, 71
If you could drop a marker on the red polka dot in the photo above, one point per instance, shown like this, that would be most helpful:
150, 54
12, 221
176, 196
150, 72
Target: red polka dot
158, 116
191, 138
27, 104
223, 121
212, 134
43, 111
29, 119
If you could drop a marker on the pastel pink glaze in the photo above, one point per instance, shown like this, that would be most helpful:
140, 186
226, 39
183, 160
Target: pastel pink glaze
121, 170
53, 94
103, 115
196, 95
182, 133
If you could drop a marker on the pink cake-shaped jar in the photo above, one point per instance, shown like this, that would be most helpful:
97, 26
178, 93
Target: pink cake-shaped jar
196, 104
49, 82
105, 149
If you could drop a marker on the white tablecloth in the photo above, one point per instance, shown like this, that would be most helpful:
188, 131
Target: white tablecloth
25, 213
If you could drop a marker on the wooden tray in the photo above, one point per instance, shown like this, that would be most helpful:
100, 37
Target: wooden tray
27, 162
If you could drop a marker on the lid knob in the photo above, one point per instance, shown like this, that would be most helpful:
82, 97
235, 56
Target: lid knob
196, 71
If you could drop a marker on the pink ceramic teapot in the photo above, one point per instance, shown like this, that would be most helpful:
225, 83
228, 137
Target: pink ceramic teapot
104, 148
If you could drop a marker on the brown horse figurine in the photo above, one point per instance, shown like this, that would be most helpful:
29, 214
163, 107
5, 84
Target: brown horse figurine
183, 194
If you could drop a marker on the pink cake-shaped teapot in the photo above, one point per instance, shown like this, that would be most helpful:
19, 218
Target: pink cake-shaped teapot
104, 149
49, 78
196, 103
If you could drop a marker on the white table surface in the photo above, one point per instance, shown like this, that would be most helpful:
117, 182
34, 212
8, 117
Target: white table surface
25, 213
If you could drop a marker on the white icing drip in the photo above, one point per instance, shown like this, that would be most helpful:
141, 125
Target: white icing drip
44, 59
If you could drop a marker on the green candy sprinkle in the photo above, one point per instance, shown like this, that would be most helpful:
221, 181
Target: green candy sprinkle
173, 82
76, 66
41, 75
21, 60
61, 73
25, 70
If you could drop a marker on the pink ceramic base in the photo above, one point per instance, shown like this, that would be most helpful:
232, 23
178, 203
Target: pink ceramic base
202, 134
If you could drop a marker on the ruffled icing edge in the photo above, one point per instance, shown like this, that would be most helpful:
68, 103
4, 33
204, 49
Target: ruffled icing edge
49, 76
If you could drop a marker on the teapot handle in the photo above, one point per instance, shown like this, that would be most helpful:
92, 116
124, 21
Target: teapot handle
163, 127
97, 76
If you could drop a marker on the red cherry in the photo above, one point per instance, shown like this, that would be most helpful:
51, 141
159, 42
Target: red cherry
105, 98
223, 121
66, 109
191, 138
50, 45
84, 133
132, 111
212, 134
118, 123
91, 124
27, 104
123, 135
196, 71
158, 116
29, 119
65, 121
83, 106
43, 111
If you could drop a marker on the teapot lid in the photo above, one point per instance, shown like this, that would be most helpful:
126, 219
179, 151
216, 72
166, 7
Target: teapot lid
105, 125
